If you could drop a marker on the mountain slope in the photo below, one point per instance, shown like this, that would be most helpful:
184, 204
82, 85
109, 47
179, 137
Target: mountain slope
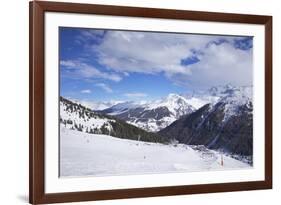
79, 151
152, 116
227, 125
77, 117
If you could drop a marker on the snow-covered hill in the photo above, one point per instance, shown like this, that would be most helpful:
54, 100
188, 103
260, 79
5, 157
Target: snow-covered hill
85, 154
78, 117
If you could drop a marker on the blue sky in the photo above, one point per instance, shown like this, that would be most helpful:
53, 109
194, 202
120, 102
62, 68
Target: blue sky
105, 65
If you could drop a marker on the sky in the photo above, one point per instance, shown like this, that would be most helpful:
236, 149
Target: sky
111, 65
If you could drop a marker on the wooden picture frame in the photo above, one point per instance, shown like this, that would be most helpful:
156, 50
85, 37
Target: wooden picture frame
37, 194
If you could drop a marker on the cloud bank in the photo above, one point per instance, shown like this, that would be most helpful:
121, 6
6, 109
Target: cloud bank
78, 69
185, 59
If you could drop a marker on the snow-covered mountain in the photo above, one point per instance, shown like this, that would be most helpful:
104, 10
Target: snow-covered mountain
152, 116
176, 104
75, 116
226, 124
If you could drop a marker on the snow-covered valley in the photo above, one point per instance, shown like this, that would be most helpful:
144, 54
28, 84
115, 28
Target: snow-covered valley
84, 154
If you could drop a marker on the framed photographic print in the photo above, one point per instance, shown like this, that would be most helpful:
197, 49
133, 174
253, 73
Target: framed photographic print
139, 102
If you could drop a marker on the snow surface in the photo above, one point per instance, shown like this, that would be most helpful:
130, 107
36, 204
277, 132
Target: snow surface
83, 154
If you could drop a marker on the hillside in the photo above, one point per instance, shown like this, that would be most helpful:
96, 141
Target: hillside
77, 117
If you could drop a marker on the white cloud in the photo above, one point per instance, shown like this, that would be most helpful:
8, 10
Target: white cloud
87, 91
67, 64
89, 34
78, 69
154, 53
135, 95
222, 64
104, 87
148, 52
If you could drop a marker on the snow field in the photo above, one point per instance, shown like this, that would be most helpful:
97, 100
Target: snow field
83, 154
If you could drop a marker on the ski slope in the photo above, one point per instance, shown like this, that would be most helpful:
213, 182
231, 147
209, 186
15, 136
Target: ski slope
83, 154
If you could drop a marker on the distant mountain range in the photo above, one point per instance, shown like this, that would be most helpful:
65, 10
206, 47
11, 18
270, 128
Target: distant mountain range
152, 116
156, 115
220, 118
